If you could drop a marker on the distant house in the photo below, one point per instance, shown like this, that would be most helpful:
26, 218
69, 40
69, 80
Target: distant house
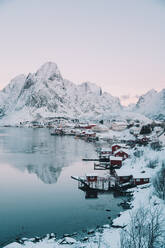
105, 151
132, 176
90, 126
140, 180
100, 128
115, 161
90, 134
85, 125
115, 147
123, 176
118, 125
121, 153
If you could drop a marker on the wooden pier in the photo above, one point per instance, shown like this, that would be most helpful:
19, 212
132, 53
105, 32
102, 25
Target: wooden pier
100, 183
102, 166
105, 166
90, 159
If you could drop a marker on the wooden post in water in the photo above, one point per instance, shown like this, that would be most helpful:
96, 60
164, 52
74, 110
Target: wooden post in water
102, 185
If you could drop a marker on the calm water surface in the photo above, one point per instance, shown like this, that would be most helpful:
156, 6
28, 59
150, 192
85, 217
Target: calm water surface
37, 194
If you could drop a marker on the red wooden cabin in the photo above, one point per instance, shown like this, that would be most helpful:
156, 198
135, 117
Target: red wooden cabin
121, 153
92, 177
115, 148
141, 180
90, 134
90, 126
116, 161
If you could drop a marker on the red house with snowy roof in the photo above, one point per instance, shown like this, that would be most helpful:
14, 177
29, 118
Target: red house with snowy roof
115, 147
138, 180
115, 161
121, 153
134, 177
123, 176
91, 177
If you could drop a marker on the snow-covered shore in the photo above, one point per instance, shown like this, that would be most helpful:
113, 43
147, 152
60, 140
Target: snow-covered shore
108, 236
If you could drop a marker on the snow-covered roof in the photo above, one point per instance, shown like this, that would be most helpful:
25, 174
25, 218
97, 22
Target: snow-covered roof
128, 172
123, 172
116, 158
122, 150
116, 145
91, 175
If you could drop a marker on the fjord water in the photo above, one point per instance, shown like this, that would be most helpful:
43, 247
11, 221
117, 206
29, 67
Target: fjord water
37, 194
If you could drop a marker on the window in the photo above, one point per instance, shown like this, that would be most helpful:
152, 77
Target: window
92, 178
138, 180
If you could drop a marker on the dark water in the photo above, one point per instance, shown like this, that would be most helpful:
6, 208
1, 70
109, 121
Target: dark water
37, 194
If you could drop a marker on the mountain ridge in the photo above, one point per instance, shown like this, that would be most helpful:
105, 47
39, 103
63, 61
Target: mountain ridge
152, 104
46, 93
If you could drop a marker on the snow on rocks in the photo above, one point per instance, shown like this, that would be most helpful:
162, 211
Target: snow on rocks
68, 240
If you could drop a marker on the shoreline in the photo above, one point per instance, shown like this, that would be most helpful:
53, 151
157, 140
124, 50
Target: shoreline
138, 193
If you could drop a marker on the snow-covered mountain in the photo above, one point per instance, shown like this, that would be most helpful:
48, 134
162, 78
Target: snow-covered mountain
152, 104
9, 95
47, 94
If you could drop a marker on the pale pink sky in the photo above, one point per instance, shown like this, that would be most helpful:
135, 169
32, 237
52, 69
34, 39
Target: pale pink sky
119, 45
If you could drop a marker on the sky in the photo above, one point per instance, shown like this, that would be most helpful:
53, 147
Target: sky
117, 44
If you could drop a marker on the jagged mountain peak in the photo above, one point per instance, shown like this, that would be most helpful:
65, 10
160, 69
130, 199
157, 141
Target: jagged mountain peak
46, 94
46, 74
49, 70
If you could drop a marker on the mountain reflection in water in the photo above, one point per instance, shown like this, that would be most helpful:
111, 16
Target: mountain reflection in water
37, 193
38, 152
47, 173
